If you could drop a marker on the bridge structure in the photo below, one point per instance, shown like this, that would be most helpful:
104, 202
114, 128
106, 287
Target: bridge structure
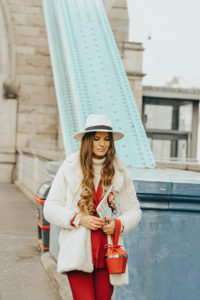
90, 78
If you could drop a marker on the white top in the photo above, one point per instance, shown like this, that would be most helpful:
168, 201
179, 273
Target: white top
97, 167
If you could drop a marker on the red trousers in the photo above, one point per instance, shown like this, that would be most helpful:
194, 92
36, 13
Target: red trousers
90, 286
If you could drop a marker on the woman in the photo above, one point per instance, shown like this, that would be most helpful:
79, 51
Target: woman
81, 182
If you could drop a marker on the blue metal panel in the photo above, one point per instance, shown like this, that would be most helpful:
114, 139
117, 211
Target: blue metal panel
164, 250
168, 189
90, 78
186, 189
164, 257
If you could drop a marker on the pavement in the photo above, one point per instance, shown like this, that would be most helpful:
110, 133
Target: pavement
22, 275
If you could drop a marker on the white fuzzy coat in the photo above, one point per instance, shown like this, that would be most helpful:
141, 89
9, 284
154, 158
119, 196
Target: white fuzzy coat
61, 205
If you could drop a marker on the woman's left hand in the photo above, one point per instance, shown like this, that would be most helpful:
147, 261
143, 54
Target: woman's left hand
109, 228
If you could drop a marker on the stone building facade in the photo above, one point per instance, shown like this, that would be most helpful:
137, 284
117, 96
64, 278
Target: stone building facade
30, 133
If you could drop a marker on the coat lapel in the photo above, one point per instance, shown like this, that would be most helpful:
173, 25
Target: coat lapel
118, 179
74, 173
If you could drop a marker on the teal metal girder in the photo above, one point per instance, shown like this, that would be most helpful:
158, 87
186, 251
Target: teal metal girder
90, 78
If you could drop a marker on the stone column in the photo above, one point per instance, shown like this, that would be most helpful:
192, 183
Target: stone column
117, 13
8, 101
132, 57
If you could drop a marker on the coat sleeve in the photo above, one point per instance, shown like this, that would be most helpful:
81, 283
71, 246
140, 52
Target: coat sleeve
55, 211
130, 212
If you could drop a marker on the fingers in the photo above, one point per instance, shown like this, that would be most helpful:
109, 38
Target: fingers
93, 227
96, 223
109, 219
111, 222
99, 220
92, 222
110, 228
108, 231
107, 228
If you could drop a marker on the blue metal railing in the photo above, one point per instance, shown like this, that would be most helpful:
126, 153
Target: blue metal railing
90, 78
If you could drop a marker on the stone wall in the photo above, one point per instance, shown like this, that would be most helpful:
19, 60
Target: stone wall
31, 172
37, 114
34, 121
8, 107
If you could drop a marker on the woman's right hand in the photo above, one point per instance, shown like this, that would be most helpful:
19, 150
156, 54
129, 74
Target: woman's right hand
91, 222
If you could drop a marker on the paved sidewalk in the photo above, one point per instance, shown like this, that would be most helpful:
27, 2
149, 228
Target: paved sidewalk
22, 276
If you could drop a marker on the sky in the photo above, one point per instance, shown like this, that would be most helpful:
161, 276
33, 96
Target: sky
174, 45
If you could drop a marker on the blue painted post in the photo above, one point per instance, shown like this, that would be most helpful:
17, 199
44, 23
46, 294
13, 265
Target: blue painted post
164, 250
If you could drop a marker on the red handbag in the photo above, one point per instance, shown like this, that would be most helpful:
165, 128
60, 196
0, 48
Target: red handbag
116, 257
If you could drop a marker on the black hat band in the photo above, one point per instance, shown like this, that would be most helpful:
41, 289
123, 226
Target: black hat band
98, 127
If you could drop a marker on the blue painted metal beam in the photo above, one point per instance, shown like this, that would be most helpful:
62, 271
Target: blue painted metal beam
168, 189
164, 250
90, 78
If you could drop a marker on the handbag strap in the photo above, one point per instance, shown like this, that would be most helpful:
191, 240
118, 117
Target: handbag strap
115, 237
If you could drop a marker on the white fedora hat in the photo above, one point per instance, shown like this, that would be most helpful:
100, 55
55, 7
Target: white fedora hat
98, 123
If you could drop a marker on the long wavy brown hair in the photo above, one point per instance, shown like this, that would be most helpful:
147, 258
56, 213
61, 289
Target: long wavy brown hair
85, 203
